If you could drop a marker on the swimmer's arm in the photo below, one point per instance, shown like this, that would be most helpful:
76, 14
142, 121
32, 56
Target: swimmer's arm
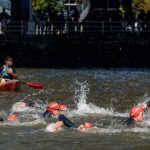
58, 125
46, 114
128, 122
66, 121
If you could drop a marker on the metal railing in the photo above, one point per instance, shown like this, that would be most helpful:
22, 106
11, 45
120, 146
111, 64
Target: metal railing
18, 27
65, 27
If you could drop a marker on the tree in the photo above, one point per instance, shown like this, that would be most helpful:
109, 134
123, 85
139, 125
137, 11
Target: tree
45, 5
138, 5
146, 5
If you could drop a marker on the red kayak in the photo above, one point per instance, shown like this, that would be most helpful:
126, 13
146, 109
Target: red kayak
11, 85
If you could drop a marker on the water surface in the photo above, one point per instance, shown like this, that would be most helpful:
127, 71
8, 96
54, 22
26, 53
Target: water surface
103, 97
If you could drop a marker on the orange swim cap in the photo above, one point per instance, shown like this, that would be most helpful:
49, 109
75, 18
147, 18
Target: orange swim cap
63, 108
54, 105
135, 111
88, 125
12, 117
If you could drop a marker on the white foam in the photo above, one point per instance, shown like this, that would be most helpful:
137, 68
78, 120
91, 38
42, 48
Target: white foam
3, 114
16, 108
127, 130
28, 123
38, 108
50, 128
84, 108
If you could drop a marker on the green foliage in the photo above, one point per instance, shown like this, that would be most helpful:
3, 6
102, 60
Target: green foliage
138, 5
146, 5
45, 5
52, 5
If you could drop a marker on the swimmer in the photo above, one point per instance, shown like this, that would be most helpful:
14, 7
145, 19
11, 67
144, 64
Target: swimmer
10, 118
54, 109
22, 104
47, 113
136, 114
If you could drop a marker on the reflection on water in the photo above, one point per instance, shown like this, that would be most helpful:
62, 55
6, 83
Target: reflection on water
103, 97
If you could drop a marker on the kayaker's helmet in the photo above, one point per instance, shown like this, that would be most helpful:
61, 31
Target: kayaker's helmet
12, 117
136, 113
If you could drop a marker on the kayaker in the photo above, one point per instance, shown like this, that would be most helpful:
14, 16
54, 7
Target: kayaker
136, 114
54, 109
7, 72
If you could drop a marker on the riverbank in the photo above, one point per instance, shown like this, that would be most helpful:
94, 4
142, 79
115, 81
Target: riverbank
78, 50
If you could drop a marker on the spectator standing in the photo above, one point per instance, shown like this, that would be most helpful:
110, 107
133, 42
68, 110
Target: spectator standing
75, 18
4, 17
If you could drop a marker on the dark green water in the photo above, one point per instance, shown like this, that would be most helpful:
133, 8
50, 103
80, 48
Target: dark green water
103, 97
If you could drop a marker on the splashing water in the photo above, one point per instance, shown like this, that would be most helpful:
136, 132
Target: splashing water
38, 103
27, 115
50, 128
83, 108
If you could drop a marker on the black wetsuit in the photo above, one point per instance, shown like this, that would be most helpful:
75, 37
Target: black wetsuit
61, 117
46, 114
1, 119
128, 122
66, 121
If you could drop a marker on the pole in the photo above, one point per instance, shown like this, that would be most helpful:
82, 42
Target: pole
107, 5
30, 9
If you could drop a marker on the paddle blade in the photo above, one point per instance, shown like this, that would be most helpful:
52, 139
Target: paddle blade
35, 85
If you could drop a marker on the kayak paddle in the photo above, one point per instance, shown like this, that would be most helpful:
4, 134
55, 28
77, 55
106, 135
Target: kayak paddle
35, 85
